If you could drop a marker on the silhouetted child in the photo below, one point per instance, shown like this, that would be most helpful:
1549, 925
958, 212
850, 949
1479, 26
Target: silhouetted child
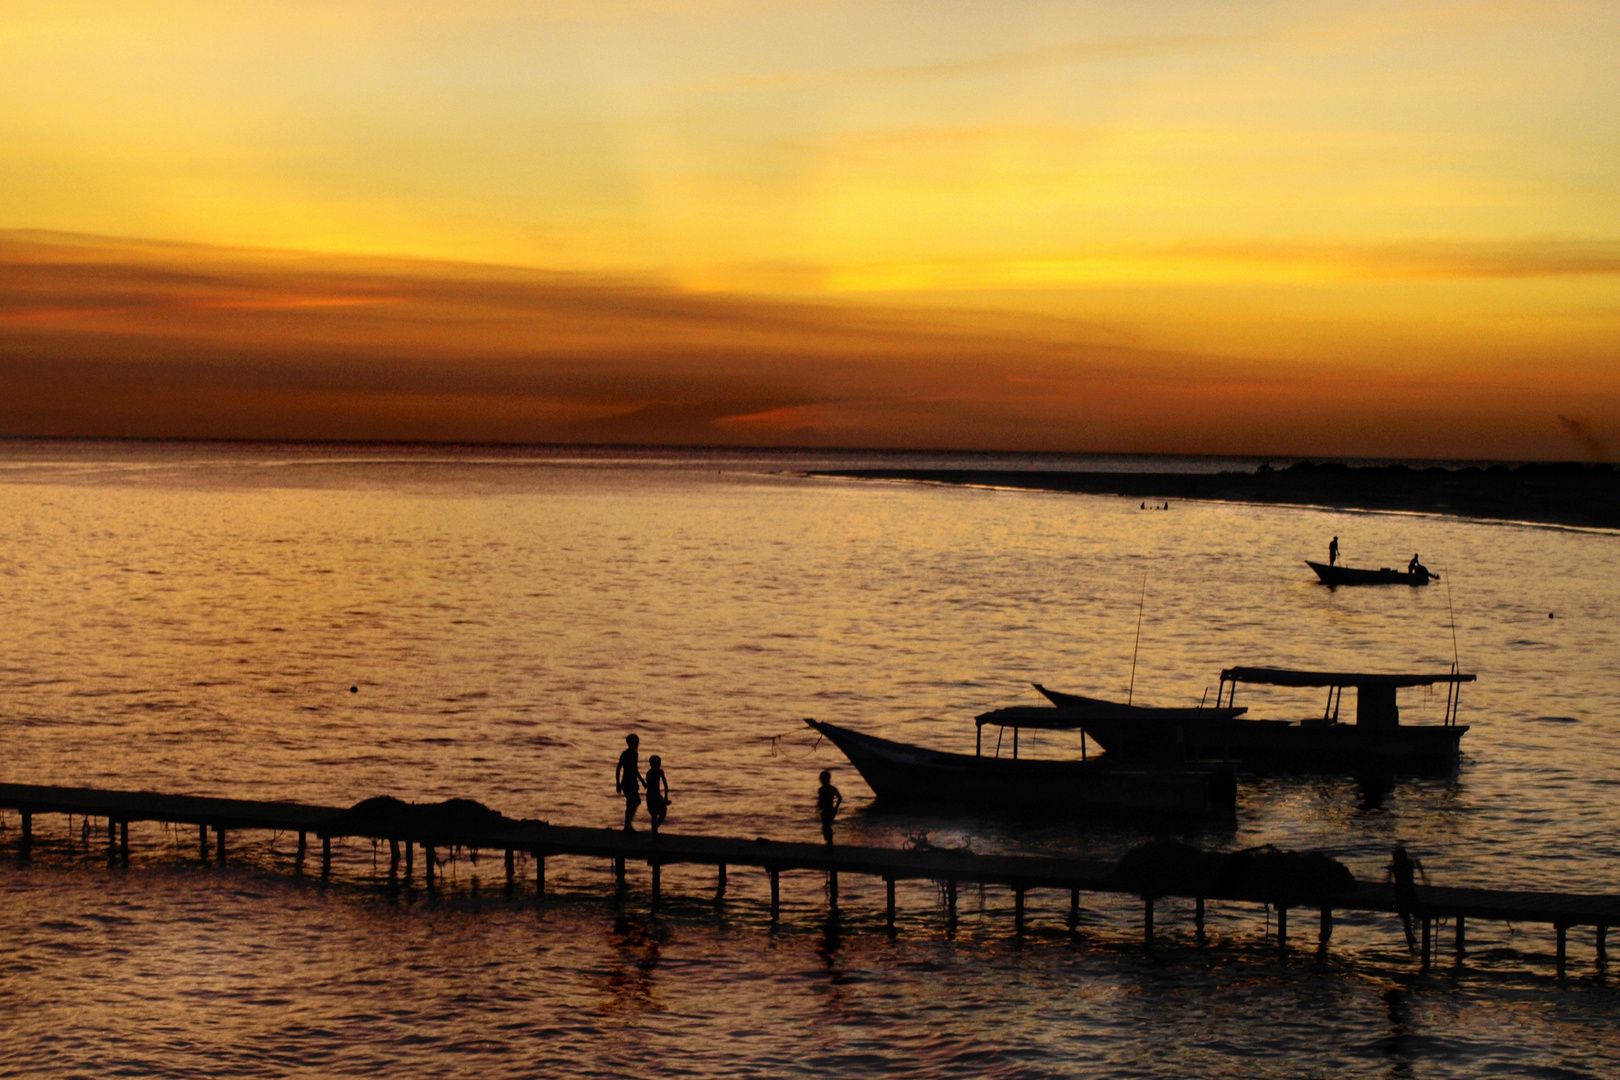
657, 792
828, 800
627, 780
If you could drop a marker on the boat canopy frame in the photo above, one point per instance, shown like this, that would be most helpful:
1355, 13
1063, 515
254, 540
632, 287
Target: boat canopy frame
1379, 684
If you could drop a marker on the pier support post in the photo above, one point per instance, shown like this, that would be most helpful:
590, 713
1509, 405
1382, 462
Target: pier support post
511, 867
1147, 922
202, 843
219, 845
1282, 928
410, 858
776, 895
950, 904
112, 838
1325, 933
27, 840
1018, 910
720, 883
123, 842
832, 891
657, 882
1462, 947
393, 858
1198, 919
539, 875
303, 849
618, 872
889, 883
1074, 909
326, 858
427, 866
1602, 944
1428, 925
1562, 935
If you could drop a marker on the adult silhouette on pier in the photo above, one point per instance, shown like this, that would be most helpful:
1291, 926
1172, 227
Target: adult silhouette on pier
657, 792
627, 780
828, 800
1404, 870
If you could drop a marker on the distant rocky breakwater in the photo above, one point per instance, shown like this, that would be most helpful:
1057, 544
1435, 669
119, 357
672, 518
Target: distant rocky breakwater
1551, 493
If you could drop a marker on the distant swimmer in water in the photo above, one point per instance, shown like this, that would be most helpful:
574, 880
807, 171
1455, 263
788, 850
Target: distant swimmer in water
828, 800
627, 780
1333, 551
657, 792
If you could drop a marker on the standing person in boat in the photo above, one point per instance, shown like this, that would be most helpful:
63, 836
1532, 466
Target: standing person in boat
1404, 870
657, 792
1333, 551
627, 780
828, 800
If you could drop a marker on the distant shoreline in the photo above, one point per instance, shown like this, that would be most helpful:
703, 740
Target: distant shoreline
1552, 494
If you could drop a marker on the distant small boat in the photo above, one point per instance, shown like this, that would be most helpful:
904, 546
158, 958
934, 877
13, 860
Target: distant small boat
1376, 743
901, 773
1344, 575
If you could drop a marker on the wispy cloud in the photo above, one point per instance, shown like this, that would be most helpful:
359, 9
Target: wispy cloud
1138, 46
104, 338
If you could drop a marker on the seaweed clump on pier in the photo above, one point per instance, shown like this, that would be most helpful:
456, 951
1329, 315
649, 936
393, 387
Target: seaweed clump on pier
388, 818
1169, 868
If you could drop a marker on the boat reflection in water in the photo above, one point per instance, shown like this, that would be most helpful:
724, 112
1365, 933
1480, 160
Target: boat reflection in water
1376, 743
904, 774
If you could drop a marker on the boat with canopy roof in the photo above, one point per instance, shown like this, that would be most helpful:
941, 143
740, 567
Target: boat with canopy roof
1376, 741
905, 774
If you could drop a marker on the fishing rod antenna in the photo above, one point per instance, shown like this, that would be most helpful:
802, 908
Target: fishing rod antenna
1137, 648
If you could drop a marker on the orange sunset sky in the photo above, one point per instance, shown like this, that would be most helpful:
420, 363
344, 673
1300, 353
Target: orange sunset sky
1370, 228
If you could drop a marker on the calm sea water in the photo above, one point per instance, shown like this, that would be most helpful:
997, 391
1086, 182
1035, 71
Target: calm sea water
191, 618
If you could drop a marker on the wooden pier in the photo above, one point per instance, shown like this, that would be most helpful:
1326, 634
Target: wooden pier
1019, 873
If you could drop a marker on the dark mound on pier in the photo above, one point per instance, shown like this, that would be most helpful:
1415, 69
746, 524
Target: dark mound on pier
388, 818
1168, 868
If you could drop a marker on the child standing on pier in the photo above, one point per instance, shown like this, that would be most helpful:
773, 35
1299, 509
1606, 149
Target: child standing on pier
828, 800
657, 792
627, 780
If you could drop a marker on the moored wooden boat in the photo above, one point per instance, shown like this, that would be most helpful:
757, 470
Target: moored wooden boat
1376, 743
901, 773
1346, 575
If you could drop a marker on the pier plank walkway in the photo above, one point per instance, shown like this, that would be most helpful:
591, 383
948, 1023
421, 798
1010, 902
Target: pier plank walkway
1020, 873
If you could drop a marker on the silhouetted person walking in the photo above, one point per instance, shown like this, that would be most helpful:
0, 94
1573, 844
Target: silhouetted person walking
627, 780
1403, 870
1333, 551
828, 800
657, 792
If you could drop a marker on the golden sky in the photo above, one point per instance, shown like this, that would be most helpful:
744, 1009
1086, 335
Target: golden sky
1315, 228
